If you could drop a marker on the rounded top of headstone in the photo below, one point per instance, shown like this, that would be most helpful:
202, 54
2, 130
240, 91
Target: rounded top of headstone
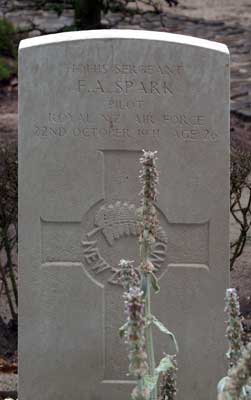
123, 34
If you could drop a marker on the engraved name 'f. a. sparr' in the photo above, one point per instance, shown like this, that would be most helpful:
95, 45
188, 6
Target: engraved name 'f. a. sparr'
125, 87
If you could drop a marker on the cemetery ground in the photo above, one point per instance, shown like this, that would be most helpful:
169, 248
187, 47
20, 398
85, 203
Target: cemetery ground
224, 24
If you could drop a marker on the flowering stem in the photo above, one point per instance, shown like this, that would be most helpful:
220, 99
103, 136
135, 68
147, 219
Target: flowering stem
239, 375
146, 285
149, 223
146, 281
149, 335
234, 327
145, 250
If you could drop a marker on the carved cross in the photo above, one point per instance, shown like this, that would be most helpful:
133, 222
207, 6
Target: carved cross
108, 232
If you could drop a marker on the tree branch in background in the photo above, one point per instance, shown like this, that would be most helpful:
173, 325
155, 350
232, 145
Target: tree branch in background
172, 2
8, 223
240, 198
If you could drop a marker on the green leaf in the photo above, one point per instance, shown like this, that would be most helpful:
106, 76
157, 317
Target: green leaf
150, 381
122, 330
222, 384
246, 390
222, 393
163, 329
165, 364
154, 282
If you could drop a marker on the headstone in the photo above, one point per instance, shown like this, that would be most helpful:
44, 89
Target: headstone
89, 103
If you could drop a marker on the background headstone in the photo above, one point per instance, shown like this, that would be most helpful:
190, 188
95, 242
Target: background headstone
89, 102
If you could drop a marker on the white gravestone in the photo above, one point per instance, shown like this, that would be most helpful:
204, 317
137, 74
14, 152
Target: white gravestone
89, 102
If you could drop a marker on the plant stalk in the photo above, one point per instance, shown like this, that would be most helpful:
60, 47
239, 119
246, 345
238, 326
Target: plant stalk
11, 269
149, 336
7, 292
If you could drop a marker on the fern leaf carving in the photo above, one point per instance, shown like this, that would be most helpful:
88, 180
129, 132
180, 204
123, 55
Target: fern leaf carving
119, 220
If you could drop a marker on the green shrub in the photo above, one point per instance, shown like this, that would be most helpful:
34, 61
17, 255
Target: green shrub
8, 68
7, 38
5, 71
57, 8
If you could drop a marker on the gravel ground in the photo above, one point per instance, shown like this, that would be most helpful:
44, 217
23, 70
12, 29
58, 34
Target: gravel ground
229, 11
